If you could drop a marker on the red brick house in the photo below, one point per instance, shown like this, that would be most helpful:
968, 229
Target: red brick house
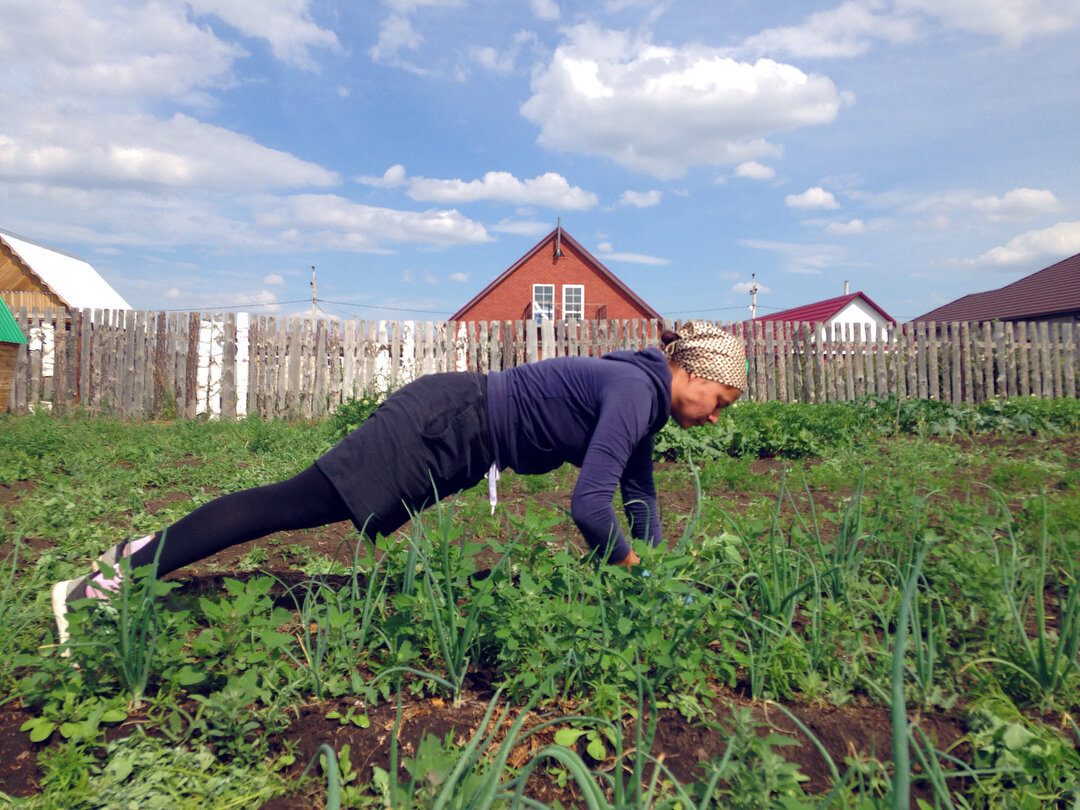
558, 279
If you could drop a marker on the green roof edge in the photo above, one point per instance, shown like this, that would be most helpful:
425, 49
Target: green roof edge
9, 330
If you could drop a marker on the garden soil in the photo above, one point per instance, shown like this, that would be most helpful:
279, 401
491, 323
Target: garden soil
860, 730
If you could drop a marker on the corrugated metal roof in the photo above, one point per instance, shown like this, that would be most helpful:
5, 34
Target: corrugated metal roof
822, 311
1052, 291
71, 278
9, 329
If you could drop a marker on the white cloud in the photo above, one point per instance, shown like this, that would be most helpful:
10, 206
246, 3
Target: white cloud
1017, 204
332, 222
545, 9
815, 197
661, 110
604, 250
72, 147
853, 226
274, 280
79, 53
394, 177
641, 199
406, 6
806, 259
522, 227
550, 190
1058, 241
460, 278
395, 35
285, 24
172, 293
1013, 21
755, 171
845, 31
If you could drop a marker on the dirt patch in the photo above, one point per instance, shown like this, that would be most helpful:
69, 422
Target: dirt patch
861, 732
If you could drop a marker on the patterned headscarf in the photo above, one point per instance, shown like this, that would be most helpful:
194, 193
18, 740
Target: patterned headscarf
707, 351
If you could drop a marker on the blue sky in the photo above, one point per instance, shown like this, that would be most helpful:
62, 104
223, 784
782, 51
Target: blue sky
205, 154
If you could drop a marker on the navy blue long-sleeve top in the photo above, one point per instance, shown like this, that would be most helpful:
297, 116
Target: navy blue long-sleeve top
599, 414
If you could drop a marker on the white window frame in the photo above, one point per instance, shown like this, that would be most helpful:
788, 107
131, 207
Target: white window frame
543, 311
579, 309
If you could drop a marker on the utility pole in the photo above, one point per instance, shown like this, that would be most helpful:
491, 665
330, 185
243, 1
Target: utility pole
753, 296
313, 308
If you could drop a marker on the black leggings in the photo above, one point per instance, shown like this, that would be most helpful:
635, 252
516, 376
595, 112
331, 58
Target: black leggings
304, 501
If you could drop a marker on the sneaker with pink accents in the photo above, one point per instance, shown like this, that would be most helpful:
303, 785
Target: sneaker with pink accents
95, 585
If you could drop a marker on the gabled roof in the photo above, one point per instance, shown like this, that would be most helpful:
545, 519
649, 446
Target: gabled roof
9, 329
1054, 290
69, 277
823, 311
564, 237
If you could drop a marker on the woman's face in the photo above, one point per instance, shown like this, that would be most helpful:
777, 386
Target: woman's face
698, 401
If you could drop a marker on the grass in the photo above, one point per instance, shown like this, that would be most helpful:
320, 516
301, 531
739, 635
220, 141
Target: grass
917, 574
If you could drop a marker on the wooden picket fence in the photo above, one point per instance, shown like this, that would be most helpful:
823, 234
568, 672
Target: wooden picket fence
138, 365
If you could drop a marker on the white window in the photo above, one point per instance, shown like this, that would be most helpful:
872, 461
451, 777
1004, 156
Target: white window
573, 301
543, 302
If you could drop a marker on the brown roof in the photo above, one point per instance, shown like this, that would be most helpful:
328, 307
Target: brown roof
564, 236
1053, 291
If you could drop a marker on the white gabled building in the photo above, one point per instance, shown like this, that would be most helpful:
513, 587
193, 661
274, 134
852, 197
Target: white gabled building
36, 276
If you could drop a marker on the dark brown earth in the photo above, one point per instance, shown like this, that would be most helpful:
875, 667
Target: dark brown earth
861, 729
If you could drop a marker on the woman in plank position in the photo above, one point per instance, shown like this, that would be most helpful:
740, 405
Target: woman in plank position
443, 433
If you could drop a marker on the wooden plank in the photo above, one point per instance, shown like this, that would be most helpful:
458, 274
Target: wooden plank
494, 336
191, 366
1068, 358
228, 368
506, 332
922, 380
880, 365
770, 360
291, 403
956, 394
395, 354
483, 362
788, 355
175, 359
1055, 359
321, 358
24, 384
1001, 388
1009, 348
759, 385
82, 379
818, 385
988, 359
547, 339
1023, 354
1035, 359
933, 385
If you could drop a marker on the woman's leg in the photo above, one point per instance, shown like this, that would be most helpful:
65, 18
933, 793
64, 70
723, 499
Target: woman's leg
301, 502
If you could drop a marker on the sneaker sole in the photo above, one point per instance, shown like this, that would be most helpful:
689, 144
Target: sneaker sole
60, 593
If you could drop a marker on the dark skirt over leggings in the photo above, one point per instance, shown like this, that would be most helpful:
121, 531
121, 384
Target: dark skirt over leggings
428, 440
431, 436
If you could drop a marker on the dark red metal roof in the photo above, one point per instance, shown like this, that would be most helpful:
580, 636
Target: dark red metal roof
563, 235
1053, 291
822, 311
